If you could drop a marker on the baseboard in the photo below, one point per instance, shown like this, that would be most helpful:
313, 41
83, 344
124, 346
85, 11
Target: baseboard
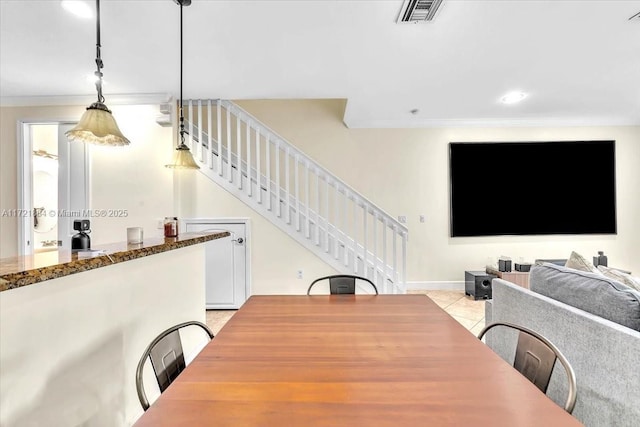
436, 286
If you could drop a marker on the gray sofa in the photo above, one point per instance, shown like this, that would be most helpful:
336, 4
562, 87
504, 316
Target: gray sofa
605, 355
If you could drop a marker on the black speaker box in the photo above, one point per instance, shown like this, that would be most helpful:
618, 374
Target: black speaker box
478, 284
504, 265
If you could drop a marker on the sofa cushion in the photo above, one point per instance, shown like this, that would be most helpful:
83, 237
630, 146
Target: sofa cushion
591, 292
620, 276
578, 262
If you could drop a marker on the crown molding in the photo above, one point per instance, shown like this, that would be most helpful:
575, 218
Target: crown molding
489, 123
113, 99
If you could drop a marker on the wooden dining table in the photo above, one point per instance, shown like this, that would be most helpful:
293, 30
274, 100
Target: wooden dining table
350, 360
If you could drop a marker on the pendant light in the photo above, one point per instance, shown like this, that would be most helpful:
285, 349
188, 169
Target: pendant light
182, 158
97, 125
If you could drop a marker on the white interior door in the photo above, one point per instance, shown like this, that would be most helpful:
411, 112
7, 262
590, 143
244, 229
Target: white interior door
53, 185
227, 262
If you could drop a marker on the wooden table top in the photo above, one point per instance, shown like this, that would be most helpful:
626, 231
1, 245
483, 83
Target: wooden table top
349, 360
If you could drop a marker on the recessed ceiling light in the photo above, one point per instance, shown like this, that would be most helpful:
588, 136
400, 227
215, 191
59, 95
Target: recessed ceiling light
78, 7
513, 97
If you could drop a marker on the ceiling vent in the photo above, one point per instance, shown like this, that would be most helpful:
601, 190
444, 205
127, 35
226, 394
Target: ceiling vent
414, 11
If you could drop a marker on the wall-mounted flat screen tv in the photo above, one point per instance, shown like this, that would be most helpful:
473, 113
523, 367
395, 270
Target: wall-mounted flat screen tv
532, 188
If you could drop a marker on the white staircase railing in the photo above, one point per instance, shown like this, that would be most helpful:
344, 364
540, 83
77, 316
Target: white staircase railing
295, 193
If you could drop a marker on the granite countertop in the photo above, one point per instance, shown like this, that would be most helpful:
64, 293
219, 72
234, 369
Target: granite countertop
26, 270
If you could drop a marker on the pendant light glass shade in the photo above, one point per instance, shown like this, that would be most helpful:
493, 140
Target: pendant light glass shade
182, 159
97, 126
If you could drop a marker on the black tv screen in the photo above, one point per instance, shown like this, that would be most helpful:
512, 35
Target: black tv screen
532, 188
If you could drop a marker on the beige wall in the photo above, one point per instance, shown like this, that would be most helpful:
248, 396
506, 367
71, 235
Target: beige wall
404, 171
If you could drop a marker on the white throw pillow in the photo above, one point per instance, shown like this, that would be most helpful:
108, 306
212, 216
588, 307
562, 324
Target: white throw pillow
624, 278
578, 262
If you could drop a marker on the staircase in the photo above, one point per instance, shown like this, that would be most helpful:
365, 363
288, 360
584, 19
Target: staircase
296, 194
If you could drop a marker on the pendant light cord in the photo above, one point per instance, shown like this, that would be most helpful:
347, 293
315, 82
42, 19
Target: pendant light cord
182, 132
99, 63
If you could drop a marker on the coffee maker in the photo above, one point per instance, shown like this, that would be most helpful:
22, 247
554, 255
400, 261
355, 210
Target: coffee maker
81, 240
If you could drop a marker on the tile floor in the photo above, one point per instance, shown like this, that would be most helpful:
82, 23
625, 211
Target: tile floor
217, 318
463, 308
468, 312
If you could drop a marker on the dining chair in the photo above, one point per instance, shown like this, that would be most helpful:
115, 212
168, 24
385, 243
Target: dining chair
535, 359
342, 283
167, 358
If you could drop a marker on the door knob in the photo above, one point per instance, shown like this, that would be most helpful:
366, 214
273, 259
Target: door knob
239, 240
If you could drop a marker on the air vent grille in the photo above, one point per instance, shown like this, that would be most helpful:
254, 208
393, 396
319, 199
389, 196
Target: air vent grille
414, 11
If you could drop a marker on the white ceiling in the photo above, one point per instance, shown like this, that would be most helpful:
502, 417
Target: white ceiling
579, 61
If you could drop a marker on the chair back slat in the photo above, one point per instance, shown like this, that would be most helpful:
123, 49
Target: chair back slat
167, 359
535, 360
342, 285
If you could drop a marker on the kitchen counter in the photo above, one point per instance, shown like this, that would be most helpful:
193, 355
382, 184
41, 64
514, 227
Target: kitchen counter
25, 270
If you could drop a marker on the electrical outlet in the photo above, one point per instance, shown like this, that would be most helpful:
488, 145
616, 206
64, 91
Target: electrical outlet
160, 225
299, 274
421, 218
402, 219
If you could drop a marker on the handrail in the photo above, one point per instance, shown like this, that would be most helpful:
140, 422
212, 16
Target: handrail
351, 194
352, 191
